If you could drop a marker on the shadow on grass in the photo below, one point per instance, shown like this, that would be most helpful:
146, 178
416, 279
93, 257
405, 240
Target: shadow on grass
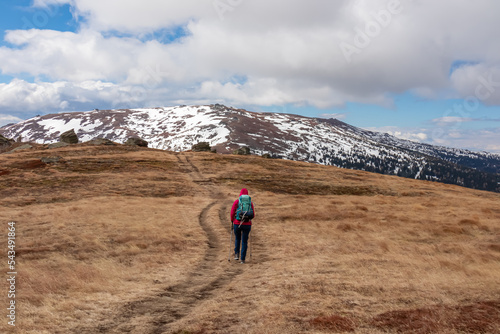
480, 317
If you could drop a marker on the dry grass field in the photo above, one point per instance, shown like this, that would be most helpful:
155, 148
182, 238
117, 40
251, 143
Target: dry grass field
117, 239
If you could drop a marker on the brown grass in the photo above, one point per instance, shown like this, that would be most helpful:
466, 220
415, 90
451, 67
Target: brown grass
333, 323
100, 250
480, 317
333, 251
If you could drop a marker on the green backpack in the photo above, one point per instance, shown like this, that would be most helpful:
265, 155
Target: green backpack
244, 213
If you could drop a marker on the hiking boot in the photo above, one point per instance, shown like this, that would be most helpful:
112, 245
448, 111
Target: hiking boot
236, 257
242, 262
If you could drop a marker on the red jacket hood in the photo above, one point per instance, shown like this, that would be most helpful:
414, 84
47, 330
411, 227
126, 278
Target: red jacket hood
234, 208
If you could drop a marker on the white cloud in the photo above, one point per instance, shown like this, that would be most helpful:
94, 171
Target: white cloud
244, 15
451, 120
70, 56
21, 96
478, 83
6, 119
477, 140
339, 116
140, 16
414, 134
280, 52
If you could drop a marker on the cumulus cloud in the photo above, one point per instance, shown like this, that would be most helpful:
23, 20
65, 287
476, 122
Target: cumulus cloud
70, 56
478, 83
149, 15
257, 52
22, 96
7, 119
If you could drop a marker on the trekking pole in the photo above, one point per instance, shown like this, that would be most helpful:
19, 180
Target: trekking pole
230, 242
250, 246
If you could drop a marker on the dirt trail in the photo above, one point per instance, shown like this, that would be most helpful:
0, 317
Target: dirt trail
157, 313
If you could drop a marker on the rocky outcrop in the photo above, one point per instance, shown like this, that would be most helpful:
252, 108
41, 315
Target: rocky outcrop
245, 150
22, 147
51, 160
136, 142
201, 147
57, 145
69, 137
4, 142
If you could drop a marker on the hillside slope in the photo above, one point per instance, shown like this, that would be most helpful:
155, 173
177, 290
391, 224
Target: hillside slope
117, 239
323, 141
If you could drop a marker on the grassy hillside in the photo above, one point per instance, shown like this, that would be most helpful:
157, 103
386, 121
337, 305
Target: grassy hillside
117, 239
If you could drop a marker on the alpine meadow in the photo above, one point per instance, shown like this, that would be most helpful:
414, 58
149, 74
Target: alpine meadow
127, 239
250, 166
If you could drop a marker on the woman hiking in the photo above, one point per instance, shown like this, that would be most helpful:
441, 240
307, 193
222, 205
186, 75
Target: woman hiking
242, 213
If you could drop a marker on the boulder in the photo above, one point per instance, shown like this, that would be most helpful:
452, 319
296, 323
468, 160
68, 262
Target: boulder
245, 150
219, 107
5, 142
22, 147
57, 145
136, 142
201, 147
69, 137
51, 160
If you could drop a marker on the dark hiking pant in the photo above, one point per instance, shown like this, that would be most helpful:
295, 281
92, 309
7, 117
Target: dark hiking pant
241, 237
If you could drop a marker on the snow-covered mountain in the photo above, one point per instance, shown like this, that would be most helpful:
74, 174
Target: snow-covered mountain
324, 141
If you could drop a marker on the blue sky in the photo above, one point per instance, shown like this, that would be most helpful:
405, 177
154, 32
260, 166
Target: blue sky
372, 64
20, 14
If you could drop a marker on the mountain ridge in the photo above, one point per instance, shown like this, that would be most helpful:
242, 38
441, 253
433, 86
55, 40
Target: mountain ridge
287, 136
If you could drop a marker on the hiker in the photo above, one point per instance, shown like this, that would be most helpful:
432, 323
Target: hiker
242, 213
